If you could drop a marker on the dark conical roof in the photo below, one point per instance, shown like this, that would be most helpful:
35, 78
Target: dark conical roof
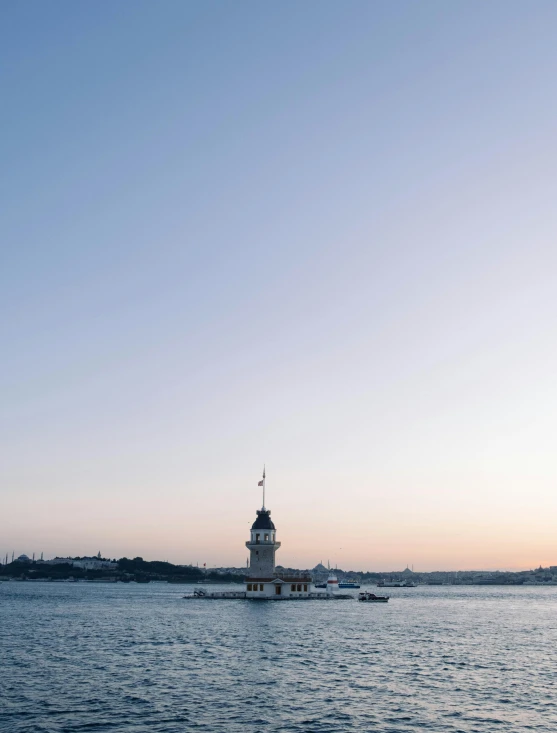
263, 520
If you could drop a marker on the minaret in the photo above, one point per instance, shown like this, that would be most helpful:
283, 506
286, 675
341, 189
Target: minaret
262, 543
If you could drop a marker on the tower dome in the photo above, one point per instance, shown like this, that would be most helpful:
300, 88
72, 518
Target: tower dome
263, 520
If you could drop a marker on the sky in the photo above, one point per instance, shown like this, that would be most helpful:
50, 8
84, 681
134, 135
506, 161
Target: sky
318, 236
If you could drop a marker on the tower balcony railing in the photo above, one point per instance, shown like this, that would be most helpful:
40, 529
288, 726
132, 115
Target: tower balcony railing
262, 542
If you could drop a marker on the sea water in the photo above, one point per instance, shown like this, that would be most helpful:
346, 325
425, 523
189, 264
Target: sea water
140, 659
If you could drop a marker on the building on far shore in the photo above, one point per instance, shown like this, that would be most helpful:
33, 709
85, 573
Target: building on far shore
85, 563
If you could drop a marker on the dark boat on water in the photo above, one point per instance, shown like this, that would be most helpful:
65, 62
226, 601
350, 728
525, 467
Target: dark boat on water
372, 598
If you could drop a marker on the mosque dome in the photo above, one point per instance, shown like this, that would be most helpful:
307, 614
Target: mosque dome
23, 558
263, 520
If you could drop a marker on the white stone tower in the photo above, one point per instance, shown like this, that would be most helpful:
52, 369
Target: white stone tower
262, 543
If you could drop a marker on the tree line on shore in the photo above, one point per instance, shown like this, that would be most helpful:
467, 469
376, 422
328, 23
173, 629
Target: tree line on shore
137, 569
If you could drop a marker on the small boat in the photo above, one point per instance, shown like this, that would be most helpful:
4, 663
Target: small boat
348, 584
372, 598
320, 585
396, 584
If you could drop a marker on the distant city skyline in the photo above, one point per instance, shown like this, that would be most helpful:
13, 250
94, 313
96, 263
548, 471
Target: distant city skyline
318, 236
82, 560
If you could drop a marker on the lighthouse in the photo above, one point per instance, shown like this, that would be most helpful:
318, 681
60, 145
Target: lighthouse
263, 580
262, 545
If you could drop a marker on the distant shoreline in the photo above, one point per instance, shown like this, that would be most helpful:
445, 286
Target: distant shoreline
136, 570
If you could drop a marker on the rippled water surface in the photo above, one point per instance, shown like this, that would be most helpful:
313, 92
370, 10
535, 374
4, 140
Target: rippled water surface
138, 658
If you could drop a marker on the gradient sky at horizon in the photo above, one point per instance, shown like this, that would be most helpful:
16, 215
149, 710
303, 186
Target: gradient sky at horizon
317, 235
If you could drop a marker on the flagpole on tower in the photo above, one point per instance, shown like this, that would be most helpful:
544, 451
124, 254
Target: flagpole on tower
262, 484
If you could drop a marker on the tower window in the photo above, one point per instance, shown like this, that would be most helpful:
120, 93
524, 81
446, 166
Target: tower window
260, 586
305, 588
292, 588
249, 586
299, 588
266, 538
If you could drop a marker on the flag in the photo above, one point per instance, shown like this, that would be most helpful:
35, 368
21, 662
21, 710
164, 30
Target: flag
260, 483
204, 564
